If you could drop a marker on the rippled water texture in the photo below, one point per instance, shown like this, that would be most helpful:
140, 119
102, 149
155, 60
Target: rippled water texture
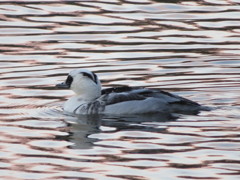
191, 48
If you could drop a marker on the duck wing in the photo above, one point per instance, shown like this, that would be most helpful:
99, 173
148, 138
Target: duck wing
178, 104
122, 94
126, 93
142, 100
172, 98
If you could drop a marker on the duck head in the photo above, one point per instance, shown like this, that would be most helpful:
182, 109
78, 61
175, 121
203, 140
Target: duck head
84, 83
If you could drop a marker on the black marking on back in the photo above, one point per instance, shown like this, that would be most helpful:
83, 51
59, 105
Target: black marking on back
117, 89
92, 77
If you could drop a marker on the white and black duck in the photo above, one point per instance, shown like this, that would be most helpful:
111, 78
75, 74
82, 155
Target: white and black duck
89, 98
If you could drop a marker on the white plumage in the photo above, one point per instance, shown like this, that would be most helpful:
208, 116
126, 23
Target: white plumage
91, 99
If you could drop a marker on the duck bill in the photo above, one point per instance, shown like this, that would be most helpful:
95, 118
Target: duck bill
63, 85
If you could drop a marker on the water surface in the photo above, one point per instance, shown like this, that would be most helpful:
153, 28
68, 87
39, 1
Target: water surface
190, 48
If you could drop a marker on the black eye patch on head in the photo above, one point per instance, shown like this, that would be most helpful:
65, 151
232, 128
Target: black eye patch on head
93, 78
69, 80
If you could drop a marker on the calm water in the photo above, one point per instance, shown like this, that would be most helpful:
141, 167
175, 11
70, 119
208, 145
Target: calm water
191, 48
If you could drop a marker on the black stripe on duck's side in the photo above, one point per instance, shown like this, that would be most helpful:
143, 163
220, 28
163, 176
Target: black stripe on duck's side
181, 100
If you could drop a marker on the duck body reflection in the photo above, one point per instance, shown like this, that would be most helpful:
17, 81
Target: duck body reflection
81, 127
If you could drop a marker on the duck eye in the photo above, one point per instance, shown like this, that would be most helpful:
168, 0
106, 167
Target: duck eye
69, 80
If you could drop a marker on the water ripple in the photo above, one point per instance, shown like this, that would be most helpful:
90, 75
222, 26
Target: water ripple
186, 47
